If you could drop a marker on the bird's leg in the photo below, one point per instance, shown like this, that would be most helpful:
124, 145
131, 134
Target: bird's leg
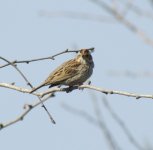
80, 87
69, 89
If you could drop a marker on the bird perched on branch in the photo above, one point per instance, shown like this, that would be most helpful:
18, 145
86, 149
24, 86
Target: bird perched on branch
73, 72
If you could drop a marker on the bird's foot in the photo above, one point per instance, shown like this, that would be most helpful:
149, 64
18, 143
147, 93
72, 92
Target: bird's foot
69, 89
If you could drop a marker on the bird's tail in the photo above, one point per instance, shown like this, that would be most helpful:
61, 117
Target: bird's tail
36, 88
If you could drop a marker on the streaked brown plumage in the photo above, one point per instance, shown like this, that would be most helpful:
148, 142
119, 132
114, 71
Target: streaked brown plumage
72, 72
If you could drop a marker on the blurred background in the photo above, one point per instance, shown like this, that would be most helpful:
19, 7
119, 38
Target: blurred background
121, 32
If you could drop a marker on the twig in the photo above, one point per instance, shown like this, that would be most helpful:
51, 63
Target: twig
17, 69
28, 83
136, 9
44, 58
28, 108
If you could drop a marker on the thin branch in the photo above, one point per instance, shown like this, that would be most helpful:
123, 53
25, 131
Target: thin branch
28, 83
111, 141
85, 86
24, 90
28, 108
136, 9
79, 112
122, 125
43, 58
101, 125
105, 91
58, 89
130, 74
77, 15
124, 21
151, 1
16, 88
18, 70
119, 16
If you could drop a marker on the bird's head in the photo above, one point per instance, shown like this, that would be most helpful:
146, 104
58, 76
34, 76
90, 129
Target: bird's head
84, 56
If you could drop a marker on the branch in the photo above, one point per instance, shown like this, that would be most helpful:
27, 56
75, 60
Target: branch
102, 90
137, 10
77, 15
43, 58
84, 86
24, 90
122, 125
110, 139
18, 70
95, 121
28, 83
118, 16
28, 108
53, 90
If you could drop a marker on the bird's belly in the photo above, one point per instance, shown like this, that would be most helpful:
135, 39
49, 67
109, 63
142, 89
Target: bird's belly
84, 73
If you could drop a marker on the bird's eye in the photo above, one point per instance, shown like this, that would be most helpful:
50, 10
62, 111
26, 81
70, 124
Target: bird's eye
86, 52
88, 56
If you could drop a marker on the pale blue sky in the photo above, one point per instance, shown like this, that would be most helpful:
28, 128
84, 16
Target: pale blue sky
24, 34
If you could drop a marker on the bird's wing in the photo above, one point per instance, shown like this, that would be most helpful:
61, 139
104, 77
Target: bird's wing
65, 71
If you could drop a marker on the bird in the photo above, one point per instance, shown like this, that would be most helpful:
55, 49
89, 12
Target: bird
72, 72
